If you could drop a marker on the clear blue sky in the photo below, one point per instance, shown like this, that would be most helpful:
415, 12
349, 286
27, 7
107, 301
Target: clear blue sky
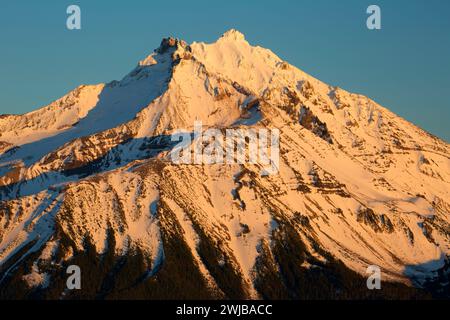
405, 66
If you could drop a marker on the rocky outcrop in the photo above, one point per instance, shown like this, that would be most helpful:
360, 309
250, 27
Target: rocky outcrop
311, 122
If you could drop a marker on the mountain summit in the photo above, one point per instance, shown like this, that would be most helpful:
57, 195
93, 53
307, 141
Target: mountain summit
233, 34
88, 181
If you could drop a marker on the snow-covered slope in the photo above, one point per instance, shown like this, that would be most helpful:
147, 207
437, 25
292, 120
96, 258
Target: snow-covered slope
89, 177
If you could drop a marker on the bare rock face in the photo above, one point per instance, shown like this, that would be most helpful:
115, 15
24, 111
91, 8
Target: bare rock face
4, 146
167, 43
311, 122
180, 49
379, 223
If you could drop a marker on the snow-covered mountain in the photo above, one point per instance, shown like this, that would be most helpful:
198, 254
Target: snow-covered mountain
87, 180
